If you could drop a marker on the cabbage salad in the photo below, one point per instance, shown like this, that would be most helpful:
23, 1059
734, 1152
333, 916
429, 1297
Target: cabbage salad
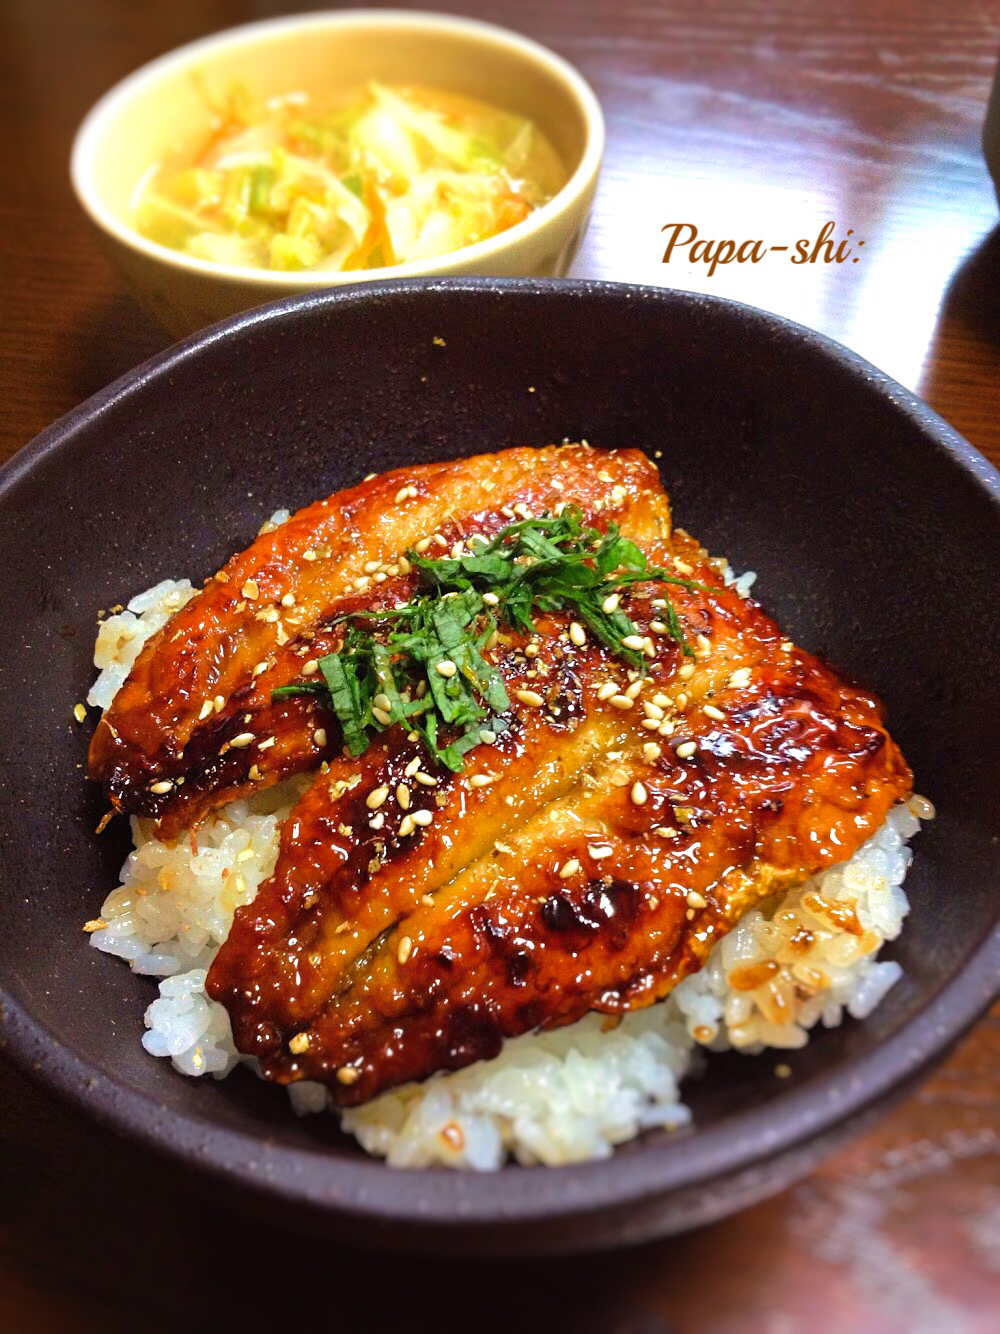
385, 175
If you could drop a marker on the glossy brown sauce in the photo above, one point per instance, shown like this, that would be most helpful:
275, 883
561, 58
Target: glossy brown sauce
587, 872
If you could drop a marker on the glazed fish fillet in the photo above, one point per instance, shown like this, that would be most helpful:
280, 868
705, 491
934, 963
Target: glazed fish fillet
194, 725
587, 858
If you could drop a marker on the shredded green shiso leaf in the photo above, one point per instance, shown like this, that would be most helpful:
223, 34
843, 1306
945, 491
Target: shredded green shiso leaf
387, 669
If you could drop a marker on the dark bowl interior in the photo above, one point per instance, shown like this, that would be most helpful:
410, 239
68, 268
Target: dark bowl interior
874, 530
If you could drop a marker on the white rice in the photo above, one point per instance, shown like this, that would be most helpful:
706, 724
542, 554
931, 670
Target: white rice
551, 1098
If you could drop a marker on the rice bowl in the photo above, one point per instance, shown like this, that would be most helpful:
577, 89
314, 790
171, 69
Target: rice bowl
198, 413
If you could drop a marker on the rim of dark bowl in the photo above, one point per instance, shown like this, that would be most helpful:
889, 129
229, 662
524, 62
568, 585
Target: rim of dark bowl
439, 1197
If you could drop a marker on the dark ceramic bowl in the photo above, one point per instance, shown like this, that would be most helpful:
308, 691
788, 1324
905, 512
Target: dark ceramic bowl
876, 533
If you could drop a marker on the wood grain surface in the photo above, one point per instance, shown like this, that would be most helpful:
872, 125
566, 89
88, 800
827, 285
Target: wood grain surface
749, 119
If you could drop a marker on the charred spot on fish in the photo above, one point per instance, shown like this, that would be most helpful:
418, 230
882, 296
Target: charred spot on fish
559, 914
608, 900
519, 965
473, 1035
618, 905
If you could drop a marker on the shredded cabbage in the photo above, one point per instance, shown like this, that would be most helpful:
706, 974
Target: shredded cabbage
386, 176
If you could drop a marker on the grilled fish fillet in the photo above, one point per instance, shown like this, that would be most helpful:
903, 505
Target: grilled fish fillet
194, 726
588, 859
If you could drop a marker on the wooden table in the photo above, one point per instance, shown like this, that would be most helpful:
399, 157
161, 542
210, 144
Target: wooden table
749, 119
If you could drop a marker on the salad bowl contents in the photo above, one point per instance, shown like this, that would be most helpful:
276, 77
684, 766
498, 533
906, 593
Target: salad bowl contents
381, 177
301, 152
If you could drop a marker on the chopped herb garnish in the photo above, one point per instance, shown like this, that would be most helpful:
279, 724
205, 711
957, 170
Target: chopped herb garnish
395, 665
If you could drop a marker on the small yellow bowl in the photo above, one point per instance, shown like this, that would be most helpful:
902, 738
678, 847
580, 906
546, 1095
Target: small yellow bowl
159, 105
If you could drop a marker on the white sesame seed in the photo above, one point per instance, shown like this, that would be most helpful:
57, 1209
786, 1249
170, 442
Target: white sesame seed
621, 702
577, 634
376, 797
639, 794
242, 741
610, 603
423, 818
530, 697
686, 749
164, 785
712, 712
651, 751
405, 949
569, 868
445, 667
